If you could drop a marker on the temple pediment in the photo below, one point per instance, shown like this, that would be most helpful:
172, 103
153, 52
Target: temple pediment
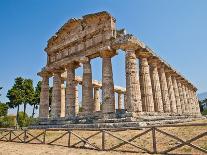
93, 27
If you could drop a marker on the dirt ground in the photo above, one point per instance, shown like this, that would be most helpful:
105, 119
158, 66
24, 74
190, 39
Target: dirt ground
163, 142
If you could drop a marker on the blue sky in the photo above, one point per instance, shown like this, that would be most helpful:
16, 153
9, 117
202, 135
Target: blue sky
176, 30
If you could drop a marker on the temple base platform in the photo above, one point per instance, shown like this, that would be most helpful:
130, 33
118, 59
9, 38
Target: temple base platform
114, 120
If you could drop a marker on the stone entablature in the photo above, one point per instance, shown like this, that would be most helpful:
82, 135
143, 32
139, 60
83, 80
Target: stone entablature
152, 86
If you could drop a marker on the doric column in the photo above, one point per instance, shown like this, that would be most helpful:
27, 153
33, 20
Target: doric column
56, 95
76, 105
177, 96
156, 86
44, 97
196, 102
108, 99
185, 99
171, 93
181, 94
164, 89
97, 103
119, 100
62, 99
190, 101
87, 87
133, 93
125, 101
188, 105
145, 84
70, 90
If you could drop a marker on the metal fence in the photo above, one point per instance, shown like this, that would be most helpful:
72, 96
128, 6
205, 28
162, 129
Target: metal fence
43, 136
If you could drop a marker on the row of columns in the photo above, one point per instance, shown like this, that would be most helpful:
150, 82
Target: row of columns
155, 88
161, 89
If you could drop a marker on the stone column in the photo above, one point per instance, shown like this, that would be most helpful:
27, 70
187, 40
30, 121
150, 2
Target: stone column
62, 99
125, 101
164, 89
56, 95
171, 93
87, 87
133, 93
185, 99
181, 94
197, 108
156, 86
177, 96
188, 105
190, 101
44, 97
76, 105
70, 90
108, 98
97, 103
146, 86
119, 100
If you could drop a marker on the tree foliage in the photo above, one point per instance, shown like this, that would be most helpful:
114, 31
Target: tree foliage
0, 89
3, 109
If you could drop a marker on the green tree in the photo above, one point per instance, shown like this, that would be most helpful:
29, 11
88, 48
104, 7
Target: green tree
15, 95
3, 109
0, 89
28, 93
36, 99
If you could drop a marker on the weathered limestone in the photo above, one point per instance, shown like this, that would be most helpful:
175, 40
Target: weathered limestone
185, 99
108, 98
87, 87
75, 108
181, 94
156, 86
119, 100
196, 102
62, 114
125, 101
70, 90
97, 103
177, 96
157, 89
44, 98
146, 86
56, 95
133, 93
171, 93
164, 89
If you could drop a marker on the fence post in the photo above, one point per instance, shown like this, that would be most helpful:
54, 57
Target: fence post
25, 135
69, 137
154, 140
10, 134
103, 140
44, 135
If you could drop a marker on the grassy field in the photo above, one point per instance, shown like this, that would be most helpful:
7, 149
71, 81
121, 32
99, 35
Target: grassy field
163, 142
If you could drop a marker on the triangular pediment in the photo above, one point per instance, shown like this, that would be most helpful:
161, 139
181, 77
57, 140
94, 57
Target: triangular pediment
80, 27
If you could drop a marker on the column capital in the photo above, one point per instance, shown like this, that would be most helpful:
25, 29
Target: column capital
107, 52
45, 74
57, 70
73, 65
84, 60
154, 62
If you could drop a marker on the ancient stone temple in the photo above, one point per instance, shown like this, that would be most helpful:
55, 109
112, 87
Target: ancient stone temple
153, 87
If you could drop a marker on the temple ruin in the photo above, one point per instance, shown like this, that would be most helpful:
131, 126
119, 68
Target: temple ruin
153, 87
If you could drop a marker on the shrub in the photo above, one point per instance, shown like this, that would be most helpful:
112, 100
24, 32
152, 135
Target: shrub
7, 121
3, 109
26, 121
204, 112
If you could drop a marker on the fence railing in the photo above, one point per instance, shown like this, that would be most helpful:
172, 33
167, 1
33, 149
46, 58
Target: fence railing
43, 136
